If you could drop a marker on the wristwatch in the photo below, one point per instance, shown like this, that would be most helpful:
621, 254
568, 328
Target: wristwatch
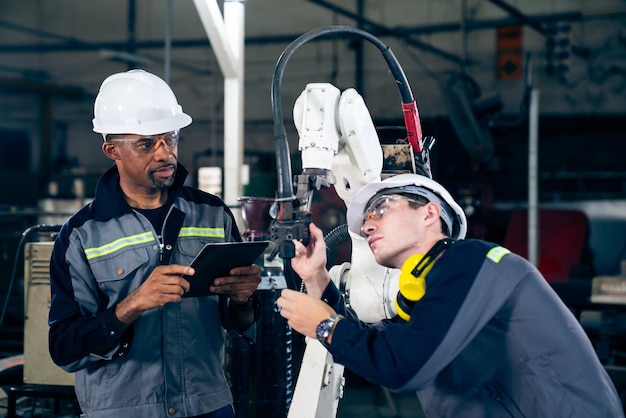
325, 327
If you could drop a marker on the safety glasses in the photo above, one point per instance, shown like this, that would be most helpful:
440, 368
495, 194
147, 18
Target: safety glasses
381, 204
149, 144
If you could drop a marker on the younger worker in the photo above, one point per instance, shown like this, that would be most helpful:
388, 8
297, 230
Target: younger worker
118, 318
488, 338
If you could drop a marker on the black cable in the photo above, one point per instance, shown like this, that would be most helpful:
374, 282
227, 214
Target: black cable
283, 159
19, 251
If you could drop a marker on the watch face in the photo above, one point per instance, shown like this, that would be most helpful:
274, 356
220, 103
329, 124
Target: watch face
323, 329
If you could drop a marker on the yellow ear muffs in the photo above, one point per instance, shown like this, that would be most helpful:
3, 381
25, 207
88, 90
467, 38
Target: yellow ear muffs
412, 287
412, 280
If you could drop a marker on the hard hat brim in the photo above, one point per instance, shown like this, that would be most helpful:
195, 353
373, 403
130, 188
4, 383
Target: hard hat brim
172, 123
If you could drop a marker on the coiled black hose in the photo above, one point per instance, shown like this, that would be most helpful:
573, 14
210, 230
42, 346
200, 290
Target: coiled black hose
337, 236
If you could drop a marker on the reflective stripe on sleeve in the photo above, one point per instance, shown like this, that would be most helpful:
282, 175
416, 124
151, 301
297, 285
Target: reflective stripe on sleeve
496, 254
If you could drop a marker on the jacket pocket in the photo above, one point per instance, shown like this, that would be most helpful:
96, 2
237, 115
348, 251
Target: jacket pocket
123, 271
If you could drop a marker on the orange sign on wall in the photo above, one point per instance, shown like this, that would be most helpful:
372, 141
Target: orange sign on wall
509, 52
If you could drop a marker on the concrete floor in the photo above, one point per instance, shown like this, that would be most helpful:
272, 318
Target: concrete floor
364, 400
360, 400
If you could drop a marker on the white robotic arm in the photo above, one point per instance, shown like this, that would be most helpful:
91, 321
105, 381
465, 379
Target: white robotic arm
337, 134
339, 145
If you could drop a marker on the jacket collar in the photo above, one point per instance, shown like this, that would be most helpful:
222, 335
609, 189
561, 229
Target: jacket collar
110, 201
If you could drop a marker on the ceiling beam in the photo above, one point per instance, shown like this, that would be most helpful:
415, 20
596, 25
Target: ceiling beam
372, 26
521, 17
475, 25
69, 44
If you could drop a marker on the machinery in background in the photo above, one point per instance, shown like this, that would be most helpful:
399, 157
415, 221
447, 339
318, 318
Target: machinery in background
261, 375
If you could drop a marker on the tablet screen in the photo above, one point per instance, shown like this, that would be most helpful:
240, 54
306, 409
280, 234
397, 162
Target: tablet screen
217, 259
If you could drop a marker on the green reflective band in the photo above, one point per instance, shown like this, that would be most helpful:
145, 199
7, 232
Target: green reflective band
191, 231
119, 244
496, 254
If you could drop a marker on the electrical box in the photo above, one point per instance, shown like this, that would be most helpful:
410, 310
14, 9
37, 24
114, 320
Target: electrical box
38, 366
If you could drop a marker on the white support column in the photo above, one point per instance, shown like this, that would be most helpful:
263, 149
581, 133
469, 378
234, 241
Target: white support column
233, 109
533, 179
227, 42
213, 22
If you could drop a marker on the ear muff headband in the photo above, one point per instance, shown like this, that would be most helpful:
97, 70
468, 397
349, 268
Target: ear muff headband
412, 280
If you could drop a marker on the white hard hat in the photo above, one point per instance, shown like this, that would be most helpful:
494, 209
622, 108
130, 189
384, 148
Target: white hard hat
451, 212
137, 102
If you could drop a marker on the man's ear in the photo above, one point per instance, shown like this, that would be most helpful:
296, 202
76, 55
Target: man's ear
433, 211
111, 150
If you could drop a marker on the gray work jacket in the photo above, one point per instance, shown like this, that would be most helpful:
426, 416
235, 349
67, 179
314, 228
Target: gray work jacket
169, 362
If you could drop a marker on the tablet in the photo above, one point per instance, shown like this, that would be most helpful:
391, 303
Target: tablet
217, 259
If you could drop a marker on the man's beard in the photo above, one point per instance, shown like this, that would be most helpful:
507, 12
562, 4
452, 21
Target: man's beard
162, 184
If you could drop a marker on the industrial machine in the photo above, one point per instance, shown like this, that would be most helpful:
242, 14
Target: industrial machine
38, 366
339, 146
41, 377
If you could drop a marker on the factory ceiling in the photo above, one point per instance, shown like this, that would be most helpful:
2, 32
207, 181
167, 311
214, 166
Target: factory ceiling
54, 55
